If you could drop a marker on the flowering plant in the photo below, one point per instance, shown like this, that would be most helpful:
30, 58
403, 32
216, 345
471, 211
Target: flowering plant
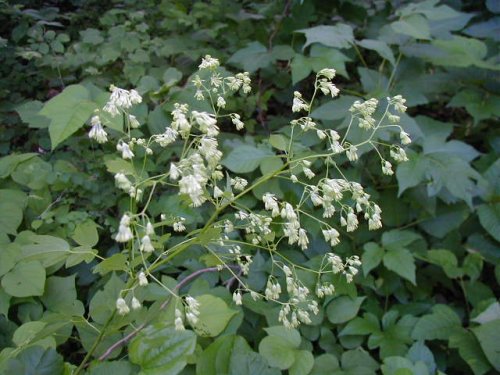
235, 233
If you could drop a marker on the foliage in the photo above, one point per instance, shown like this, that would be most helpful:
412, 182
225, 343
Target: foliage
425, 300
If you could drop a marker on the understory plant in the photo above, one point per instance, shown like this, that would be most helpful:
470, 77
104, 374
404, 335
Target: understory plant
233, 234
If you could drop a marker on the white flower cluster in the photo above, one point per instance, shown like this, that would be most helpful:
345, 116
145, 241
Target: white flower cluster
121, 100
124, 232
97, 132
349, 268
192, 310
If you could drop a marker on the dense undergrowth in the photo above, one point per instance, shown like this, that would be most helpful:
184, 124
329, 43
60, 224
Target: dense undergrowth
425, 299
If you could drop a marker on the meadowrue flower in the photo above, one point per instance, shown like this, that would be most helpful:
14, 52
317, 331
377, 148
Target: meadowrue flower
239, 183
180, 122
327, 72
321, 134
328, 88
122, 182
192, 310
216, 80
179, 225
336, 147
303, 241
315, 197
178, 322
308, 172
298, 103
218, 192
209, 62
326, 289
234, 83
146, 244
306, 123
208, 148
351, 221
124, 232
387, 168
245, 78
294, 179
166, 138
332, 236
174, 172
135, 304
143, 280
122, 307
273, 290
351, 153
122, 98
97, 132
134, 123
237, 298
206, 122
192, 186
125, 150
405, 138
399, 103
398, 154
111, 108
221, 103
394, 119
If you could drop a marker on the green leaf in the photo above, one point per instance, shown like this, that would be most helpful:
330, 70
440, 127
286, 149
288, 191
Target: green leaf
338, 36
489, 217
277, 351
68, 112
447, 260
396, 239
398, 366
372, 256
103, 303
86, 234
36, 360
291, 336
116, 262
252, 58
358, 361
439, 325
415, 26
343, 309
28, 112
487, 334
48, 250
112, 367
9, 163
60, 296
9, 254
12, 204
401, 262
80, 254
470, 351
245, 158
361, 326
380, 47
304, 362
488, 315
325, 364
279, 141
161, 350
214, 315
26, 279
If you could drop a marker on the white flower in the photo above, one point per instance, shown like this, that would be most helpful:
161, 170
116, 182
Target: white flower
191, 186
218, 192
209, 62
166, 138
309, 173
179, 324
321, 134
122, 182
239, 183
303, 241
179, 225
298, 103
352, 221
206, 122
174, 172
150, 230
405, 138
136, 305
328, 88
134, 123
146, 244
221, 103
122, 307
387, 168
399, 103
237, 298
398, 154
143, 280
336, 147
331, 235
327, 72
97, 132
124, 232
125, 150
235, 118
351, 153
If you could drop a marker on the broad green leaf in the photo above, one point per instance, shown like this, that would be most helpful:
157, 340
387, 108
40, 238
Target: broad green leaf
304, 362
91, 36
489, 217
325, 364
279, 141
12, 204
447, 260
214, 315
48, 250
28, 112
480, 105
415, 26
396, 239
446, 219
488, 315
401, 261
439, 325
32, 173
161, 350
9, 163
361, 326
358, 361
80, 254
334, 110
116, 262
380, 47
412, 172
343, 308
68, 112
26, 279
118, 165
291, 336
372, 256
487, 334
111, 367
86, 234
420, 352
470, 351
9, 254
300, 68
245, 158
338, 36
103, 303
252, 58
60, 296
399, 366
36, 360
277, 351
